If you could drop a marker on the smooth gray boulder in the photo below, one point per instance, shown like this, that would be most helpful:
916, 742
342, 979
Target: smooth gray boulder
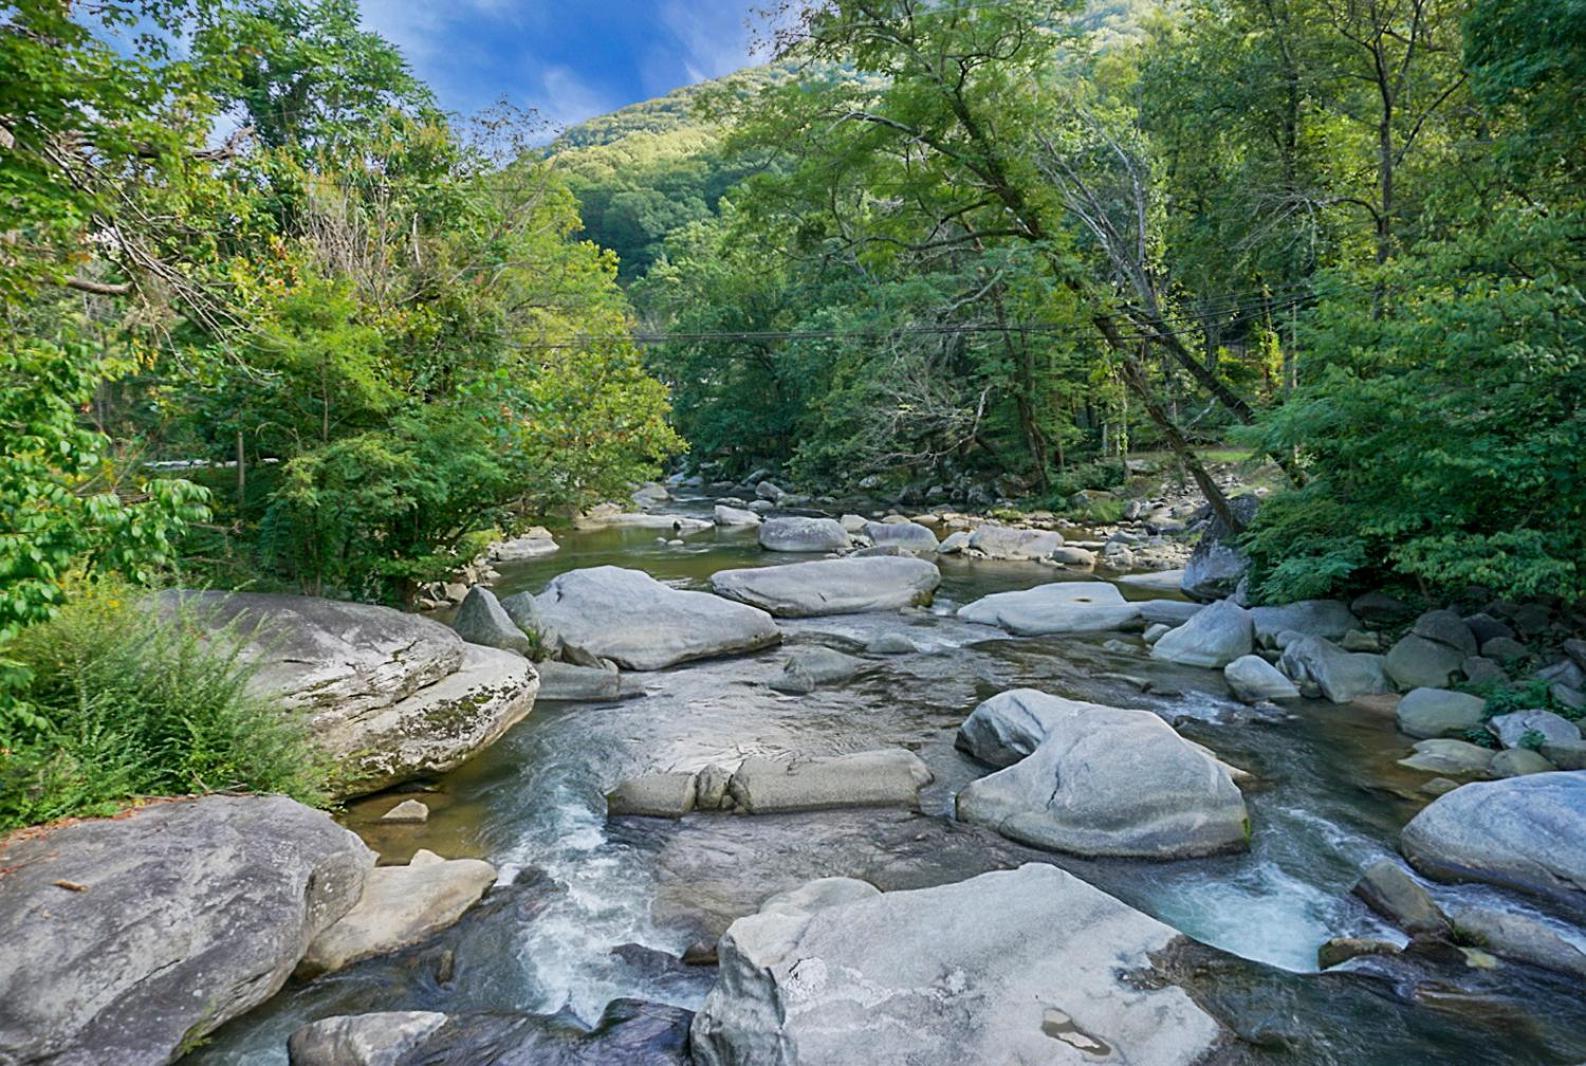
383, 1038
797, 534
909, 536
1392, 892
810, 667
953, 543
832, 586
535, 544
482, 620
735, 517
1528, 937
1213, 638
1156, 581
1012, 724
1445, 755
389, 696
889, 777
1525, 833
661, 795
400, 906
1439, 712
1252, 679
1016, 966
1329, 619
679, 525
566, 681
1517, 761
1341, 675
1059, 607
1217, 565
1447, 628
1539, 727
1168, 612
640, 624
1112, 782
189, 913
1006, 542
1416, 662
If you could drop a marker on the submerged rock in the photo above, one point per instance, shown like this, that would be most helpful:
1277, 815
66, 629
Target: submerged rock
832, 586
640, 624
1058, 607
797, 534
1108, 781
1213, 638
809, 667
1028, 965
408, 812
126, 938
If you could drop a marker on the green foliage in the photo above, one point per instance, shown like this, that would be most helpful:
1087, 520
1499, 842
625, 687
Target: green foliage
128, 702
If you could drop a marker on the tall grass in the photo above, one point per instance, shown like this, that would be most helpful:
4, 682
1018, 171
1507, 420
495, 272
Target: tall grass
127, 700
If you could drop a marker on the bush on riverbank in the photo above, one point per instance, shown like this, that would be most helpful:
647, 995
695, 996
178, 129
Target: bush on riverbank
119, 701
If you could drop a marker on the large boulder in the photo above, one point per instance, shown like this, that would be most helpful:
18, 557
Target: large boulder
908, 536
1439, 712
1329, 619
1416, 662
640, 624
1217, 565
535, 544
1527, 833
482, 620
832, 586
389, 696
400, 906
1524, 728
1113, 782
1253, 680
735, 517
1006, 542
1213, 638
1017, 966
889, 777
1340, 675
1058, 607
1012, 724
798, 534
129, 938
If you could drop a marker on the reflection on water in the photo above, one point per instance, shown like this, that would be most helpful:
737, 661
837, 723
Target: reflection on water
591, 898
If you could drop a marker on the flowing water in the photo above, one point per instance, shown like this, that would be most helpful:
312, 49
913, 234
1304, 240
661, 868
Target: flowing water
587, 912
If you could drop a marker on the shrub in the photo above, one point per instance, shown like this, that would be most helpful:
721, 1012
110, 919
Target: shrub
123, 702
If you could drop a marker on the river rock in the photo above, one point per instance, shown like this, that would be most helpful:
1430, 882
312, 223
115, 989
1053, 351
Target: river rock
1528, 937
384, 1038
1168, 612
1213, 638
1056, 608
566, 681
798, 534
1006, 542
1439, 712
885, 778
1217, 566
1443, 755
1568, 755
400, 906
1526, 833
1074, 558
733, 517
640, 624
408, 812
1483, 671
1012, 724
1157, 581
812, 666
389, 696
1391, 891
1416, 662
186, 914
1446, 628
1252, 680
1380, 609
1544, 727
909, 536
1016, 966
535, 544
664, 795
679, 525
1328, 619
1341, 675
1504, 649
953, 543
482, 620
1111, 782
832, 586
1517, 761
1340, 949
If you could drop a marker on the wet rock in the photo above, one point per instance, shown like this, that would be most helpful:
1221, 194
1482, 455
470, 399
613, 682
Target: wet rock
1340, 949
831, 586
640, 624
409, 811
1447, 756
1011, 725
733, 517
1341, 676
1448, 629
1438, 712
1055, 608
810, 667
1392, 892
892, 644
1519, 761
400, 906
664, 795
385, 1038
1253, 679
1213, 638
909, 536
482, 620
1533, 729
1526, 833
1006, 542
1028, 965
566, 681
1108, 781
798, 534
188, 914
1216, 567
1527, 937
1329, 619
1379, 608
885, 778
1416, 662
389, 696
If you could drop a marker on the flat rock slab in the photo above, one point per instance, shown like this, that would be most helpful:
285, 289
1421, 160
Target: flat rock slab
1007, 542
400, 906
1157, 581
797, 534
832, 586
189, 913
1017, 966
1438, 712
1061, 607
640, 624
888, 777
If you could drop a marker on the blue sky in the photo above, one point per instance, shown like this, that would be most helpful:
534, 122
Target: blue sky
568, 59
